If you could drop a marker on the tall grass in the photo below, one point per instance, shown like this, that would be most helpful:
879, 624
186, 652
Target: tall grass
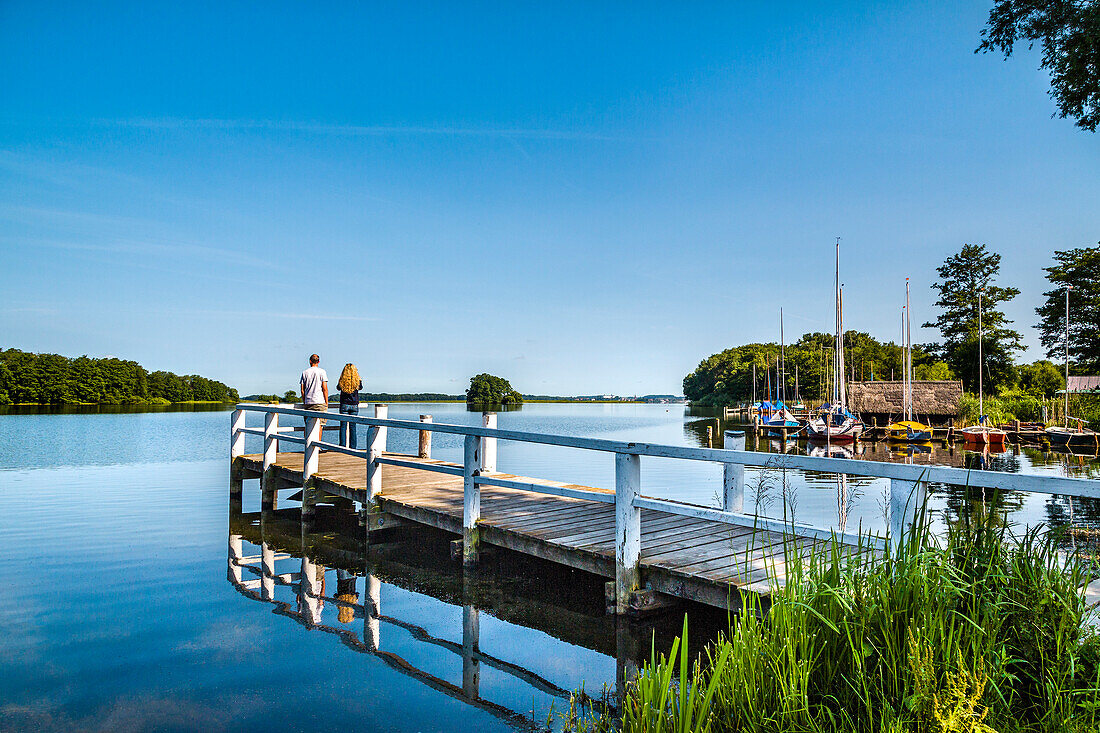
979, 632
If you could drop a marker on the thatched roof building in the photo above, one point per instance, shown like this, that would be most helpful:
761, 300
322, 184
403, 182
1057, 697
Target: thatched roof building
935, 402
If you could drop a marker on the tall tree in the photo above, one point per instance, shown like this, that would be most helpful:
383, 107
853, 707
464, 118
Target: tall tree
486, 389
1069, 33
1080, 269
962, 276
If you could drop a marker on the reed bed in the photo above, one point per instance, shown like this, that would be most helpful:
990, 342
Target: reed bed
976, 632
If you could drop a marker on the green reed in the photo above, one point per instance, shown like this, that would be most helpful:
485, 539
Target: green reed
982, 631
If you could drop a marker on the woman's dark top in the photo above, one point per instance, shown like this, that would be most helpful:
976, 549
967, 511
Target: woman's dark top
350, 399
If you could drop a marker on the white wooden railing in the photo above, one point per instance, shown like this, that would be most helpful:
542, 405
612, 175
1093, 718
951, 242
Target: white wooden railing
906, 496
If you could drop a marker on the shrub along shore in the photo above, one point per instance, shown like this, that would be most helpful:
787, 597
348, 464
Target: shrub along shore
981, 632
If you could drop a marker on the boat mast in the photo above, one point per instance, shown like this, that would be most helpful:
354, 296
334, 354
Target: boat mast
1068, 288
842, 387
754, 384
783, 356
981, 392
908, 351
838, 358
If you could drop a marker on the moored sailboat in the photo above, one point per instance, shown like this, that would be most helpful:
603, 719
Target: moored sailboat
908, 430
982, 434
834, 422
1066, 435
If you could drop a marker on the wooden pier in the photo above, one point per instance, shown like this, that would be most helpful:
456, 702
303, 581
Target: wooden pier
654, 549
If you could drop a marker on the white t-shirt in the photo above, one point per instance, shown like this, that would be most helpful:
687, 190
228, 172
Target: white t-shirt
311, 381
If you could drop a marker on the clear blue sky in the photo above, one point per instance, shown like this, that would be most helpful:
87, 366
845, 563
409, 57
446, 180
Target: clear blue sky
581, 198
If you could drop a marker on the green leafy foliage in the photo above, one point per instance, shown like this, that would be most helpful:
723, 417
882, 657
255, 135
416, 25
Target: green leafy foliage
1080, 269
50, 379
1068, 31
962, 277
979, 632
725, 378
486, 389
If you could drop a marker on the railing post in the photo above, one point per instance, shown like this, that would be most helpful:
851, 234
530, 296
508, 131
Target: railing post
376, 446
269, 483
236, 437
628, 529
906, 499
471, 500
425, 450
733, 474
489, 445
311, 457
236, 450
733, 487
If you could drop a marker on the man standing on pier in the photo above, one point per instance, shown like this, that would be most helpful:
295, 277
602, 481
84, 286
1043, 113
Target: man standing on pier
314, 383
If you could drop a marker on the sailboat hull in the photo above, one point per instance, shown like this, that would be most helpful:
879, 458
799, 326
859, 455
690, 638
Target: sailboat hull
984, 436
848, 431
908, 431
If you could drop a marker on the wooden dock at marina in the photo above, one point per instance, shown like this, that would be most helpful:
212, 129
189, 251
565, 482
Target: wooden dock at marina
691, 558
653, 549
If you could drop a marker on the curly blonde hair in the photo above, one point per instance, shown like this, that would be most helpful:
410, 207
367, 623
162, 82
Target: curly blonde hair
349, 379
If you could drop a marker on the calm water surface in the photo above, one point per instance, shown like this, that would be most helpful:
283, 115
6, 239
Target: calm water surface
122, 613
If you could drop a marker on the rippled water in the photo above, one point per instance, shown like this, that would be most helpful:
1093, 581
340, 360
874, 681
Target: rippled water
121, 612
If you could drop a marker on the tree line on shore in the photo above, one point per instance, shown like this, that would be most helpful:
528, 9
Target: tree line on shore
51, 379
726, 377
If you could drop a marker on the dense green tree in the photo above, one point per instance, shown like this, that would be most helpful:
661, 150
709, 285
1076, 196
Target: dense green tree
1040, 379
1068, 31
1080, 269
290, 396
486, 389
53, 379
962, 277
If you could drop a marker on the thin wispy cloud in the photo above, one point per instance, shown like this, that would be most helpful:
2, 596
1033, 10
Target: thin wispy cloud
325, 128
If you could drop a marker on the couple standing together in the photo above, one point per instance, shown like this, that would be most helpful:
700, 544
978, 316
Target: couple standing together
314, 385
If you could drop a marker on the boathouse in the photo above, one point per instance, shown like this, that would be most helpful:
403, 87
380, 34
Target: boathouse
934, 402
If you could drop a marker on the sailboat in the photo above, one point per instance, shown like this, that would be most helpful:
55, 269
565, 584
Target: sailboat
908, 430
781, 420
982, 434
1066, 435
834, 422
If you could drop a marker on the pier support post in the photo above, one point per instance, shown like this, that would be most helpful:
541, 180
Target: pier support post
628, 529
310, 462
489, 445
236, 450
471, 500
309, 590
236, 552
906, 499
376, 446
471, 664
269, 483
425, 448
372, 611
267, 570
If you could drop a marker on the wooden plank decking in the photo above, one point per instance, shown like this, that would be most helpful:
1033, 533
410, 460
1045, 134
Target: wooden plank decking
698, 559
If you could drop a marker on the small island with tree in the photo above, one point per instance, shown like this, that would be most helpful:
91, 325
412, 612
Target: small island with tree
487, 390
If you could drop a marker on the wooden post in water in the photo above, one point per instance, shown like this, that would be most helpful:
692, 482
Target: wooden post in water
425, 448
710, 436
906, 499
628, 529
376, 446
471, 664
471, 500
269, 488
310, 461
489, 445
372, 611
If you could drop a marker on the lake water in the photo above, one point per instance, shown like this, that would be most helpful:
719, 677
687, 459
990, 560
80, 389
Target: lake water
121, 611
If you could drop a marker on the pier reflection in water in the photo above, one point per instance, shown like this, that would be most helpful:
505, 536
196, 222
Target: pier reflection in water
548, 634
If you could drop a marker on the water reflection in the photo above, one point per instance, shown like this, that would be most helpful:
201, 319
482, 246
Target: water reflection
540, 613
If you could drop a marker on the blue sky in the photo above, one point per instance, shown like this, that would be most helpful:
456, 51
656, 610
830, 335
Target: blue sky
581, 198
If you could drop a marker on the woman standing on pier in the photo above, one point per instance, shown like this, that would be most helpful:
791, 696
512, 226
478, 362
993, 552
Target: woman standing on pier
349, 386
